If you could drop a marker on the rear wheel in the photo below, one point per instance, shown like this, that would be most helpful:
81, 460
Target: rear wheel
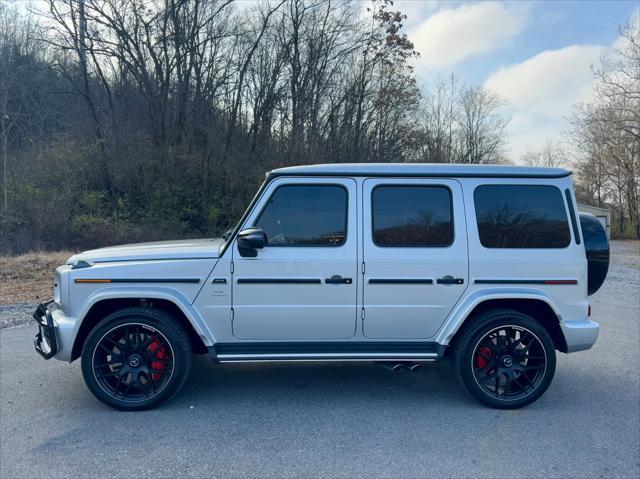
505, 359
136, 358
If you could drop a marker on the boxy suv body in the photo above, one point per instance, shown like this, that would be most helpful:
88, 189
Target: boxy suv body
394, 263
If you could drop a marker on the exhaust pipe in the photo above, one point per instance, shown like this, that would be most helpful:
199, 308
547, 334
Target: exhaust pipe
394, 367
413, 366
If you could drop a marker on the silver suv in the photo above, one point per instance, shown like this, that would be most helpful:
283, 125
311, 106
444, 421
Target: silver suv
393, 263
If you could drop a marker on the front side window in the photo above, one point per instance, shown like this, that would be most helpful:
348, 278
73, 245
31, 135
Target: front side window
521, 216
305, 215
406, 215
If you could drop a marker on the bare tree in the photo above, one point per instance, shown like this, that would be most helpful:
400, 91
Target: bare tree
481, 126
439, 121
551, 155
606, 133
16, 40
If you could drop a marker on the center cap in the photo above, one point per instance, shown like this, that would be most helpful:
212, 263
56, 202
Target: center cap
507, 361
135, 361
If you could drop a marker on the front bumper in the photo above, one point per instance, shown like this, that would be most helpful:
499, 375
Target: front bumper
579, 335
56, 332
45, 342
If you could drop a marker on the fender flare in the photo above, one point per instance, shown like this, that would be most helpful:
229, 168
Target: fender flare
168, 294
462, 310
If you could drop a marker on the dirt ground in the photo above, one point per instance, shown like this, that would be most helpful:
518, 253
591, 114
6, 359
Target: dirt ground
28, 278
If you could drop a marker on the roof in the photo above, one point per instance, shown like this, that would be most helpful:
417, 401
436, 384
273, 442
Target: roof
421, 170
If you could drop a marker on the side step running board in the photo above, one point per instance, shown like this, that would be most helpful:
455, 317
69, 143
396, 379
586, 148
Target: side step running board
326, 351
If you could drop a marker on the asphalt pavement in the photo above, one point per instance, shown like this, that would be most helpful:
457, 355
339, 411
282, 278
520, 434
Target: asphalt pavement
337, 419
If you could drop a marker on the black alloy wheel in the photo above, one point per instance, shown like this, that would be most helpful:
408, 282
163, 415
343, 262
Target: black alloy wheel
505, 359
133, 362
136, 358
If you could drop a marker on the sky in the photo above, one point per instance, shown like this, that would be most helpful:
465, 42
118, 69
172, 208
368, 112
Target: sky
535, 54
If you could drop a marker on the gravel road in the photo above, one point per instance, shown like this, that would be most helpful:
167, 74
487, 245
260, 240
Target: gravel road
334, 420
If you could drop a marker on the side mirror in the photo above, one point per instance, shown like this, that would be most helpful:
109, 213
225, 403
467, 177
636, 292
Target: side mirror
250, 240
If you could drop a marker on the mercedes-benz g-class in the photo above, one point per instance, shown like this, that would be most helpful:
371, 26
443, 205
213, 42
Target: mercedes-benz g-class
395, 263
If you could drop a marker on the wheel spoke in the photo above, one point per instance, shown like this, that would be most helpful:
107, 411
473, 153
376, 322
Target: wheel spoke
488, 377
533, 368
135, 338
525, 350
506, 385
126, 391
528, 384
114, 342
153, 383
100, 366
105, 348
120, 379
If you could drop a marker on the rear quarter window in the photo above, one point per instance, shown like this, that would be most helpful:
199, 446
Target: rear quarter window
521, 216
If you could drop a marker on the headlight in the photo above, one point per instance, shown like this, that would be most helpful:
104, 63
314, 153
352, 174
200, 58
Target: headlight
61, 286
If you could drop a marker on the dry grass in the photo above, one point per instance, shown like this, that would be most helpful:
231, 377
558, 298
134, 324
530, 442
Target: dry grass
28, 278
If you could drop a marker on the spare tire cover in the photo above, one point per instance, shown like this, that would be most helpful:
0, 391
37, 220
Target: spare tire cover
596, 246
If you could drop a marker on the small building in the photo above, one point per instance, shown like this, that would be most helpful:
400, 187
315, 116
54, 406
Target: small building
603, 214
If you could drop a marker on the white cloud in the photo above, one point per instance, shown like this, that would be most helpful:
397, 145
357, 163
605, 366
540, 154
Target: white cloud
549, 82
542, 91
455, 34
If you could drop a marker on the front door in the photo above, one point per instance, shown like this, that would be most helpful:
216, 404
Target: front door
302, 284
415, 254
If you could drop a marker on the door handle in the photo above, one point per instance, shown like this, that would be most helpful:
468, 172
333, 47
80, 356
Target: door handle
337, 279
450, 280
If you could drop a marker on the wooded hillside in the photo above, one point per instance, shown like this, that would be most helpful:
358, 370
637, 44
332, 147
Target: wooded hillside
130, 120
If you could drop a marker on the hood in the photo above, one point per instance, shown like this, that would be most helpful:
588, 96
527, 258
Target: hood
159, 250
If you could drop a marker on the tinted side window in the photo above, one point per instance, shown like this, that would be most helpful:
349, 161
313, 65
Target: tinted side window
305, 215
521, 216
412, 216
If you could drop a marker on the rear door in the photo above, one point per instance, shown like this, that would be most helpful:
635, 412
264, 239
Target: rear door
415, 255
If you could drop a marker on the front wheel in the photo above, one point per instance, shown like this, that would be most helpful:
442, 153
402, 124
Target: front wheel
505, 359
136, 358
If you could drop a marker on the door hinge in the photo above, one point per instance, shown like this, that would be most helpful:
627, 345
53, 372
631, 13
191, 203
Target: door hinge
362, 313
231, 267
363, 267
232, 314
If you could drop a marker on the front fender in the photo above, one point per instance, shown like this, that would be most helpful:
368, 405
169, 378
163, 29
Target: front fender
169, 294
462, 310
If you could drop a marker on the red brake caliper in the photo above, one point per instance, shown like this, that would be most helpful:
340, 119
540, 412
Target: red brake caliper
161, 353
481, 361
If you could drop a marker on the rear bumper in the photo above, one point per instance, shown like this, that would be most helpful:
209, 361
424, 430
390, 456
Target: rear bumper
579, 335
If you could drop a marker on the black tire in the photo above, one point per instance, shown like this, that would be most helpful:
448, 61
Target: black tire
504, 358
136, 358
